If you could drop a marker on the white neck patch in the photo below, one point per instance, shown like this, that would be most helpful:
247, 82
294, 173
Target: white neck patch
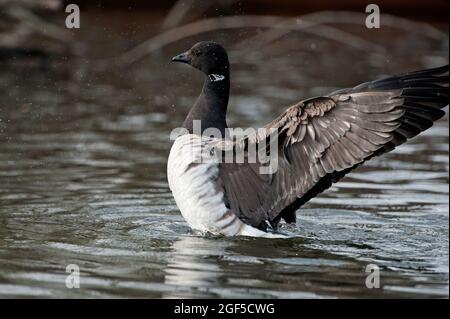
216, 77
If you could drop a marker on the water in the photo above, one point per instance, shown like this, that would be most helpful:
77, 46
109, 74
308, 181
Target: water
83, 177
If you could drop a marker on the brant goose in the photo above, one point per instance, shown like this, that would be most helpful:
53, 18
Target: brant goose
320, 140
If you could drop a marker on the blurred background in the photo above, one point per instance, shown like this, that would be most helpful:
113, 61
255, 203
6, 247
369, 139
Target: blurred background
85, 117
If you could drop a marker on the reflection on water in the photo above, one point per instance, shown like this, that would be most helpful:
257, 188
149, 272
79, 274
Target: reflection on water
82, 181
191, 265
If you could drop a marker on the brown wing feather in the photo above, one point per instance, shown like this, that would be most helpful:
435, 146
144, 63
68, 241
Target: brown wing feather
322, 139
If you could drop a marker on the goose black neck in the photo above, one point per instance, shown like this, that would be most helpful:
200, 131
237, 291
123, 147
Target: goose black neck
211, 106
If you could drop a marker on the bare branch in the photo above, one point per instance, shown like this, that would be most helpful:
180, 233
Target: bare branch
194, 28
236, 22
342, 17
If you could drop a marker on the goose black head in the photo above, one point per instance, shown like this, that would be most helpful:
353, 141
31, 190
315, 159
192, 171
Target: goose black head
207, 56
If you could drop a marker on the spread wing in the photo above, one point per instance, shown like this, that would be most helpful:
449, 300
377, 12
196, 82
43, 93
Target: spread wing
321, 139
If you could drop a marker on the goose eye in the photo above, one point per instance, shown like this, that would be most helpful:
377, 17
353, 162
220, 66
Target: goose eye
197, 53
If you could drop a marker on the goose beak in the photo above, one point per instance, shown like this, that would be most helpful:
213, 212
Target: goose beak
183, 58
